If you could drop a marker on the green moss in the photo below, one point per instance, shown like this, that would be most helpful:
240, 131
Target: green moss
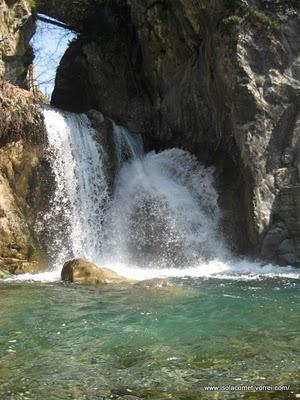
32, 3
263, 18
231, 23
232, 20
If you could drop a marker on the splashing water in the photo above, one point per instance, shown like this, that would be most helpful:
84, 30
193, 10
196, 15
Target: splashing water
164, 212
163, 218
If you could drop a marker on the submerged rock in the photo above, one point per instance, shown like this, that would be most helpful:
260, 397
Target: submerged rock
83, 271
154, 283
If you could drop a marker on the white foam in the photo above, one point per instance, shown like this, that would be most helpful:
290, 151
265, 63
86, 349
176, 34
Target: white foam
50, 276
234, 270
242, 270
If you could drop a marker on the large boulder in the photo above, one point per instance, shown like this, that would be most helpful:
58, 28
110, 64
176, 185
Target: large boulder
83, 271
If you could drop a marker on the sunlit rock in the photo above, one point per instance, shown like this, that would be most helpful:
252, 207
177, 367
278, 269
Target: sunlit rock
24, 179
83, 271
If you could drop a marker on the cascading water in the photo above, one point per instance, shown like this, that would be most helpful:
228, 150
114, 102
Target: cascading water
162, 220
127, 145
81, 194
164, 211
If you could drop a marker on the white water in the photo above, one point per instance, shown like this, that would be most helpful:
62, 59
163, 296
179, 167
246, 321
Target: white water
81, 193
164, 213
163, 220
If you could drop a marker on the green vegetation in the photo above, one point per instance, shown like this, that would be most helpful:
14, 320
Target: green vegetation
32, 3
260, 17
247, 14
253, 15
232, 20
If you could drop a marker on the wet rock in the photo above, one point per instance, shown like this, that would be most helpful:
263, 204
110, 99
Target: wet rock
275, 236
286, 246
104, 129
287, 206
288, 259
83, 271
279, 246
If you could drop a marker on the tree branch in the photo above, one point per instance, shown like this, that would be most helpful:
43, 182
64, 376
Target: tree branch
57, 23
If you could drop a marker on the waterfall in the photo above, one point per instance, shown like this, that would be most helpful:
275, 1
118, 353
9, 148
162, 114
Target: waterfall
81, 190
162, 218
127, 145
164, 213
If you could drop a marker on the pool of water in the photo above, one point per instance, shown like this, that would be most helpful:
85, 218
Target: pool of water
61, 341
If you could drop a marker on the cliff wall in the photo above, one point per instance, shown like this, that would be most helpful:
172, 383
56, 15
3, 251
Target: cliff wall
218, 78
23, 172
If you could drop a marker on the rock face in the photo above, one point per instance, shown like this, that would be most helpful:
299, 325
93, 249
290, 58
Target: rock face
83, 271
23, 179
104, 135
218, 78
24, 173
16, 29
106, 62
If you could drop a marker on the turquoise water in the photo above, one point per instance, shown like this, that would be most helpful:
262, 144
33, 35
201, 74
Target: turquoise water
68, 342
